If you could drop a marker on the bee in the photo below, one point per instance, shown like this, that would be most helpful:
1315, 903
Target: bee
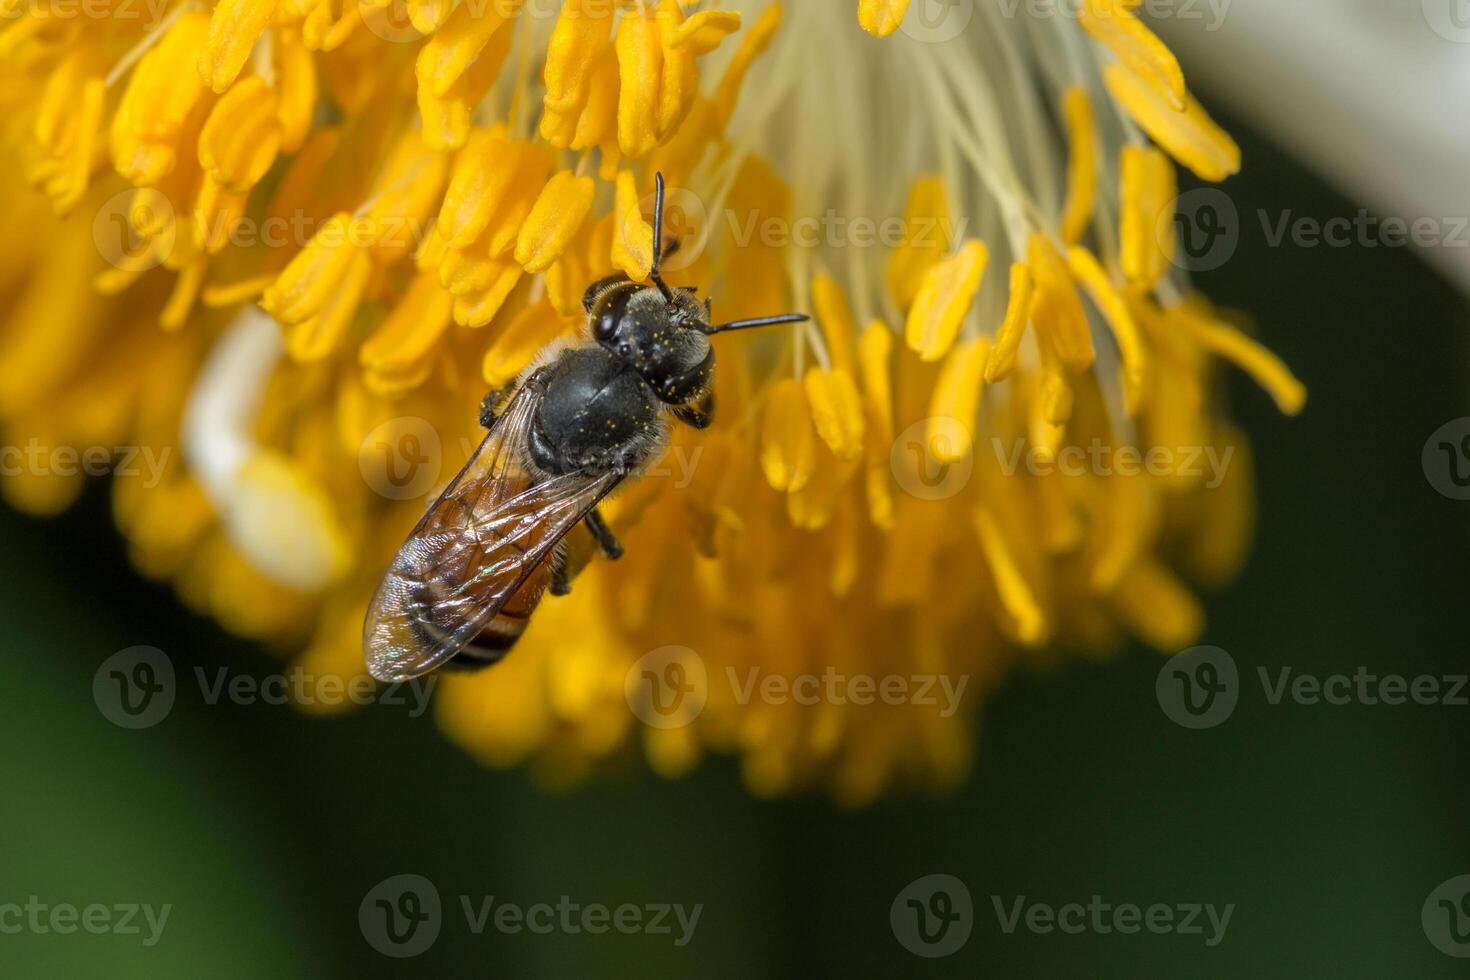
580, 420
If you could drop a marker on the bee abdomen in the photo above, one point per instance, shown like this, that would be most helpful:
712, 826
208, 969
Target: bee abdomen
493, 643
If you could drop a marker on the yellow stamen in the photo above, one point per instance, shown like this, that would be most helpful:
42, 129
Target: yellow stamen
1146, 236
527, 184
578, 43
598, 124
756, 40
632, 244
242, 135
217, 211
161, 93
233, 30
403, 201
788, 441
1156, 605
1018, 314
477, 307
305, 285
317, 336
1190, 136
328, 25
296, 89
837, 411
1219, 549
1268, 370
1011, 586
1081, 164
181, 300
408, 336
232, 294
447, 116
558, 213
1056, 310
875, 354
1111, 22
515, 345
479, 181
679, 81
1115, 311
881, 17
835, 319
944, 297
427, 15
455, 46
640, 67
925, 216
704, 31
956, 398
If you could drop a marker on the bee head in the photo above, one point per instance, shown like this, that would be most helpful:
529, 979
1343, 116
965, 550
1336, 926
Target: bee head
664, 332
664, 341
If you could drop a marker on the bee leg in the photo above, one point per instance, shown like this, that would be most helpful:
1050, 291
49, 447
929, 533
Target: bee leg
590, 295
698, 413
606, 540
488, 405
561, 580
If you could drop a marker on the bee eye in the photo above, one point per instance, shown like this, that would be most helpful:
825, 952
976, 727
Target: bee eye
605, 325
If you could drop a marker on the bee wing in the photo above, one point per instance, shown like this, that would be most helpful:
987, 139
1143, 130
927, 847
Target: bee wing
482, 539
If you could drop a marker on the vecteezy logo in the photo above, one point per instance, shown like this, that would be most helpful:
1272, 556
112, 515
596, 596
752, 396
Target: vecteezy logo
667, 687
402, 458
1446, 917
1199, 687
134, 688
937, 21
389, 21
400, 916
932, 916
933, 459
1201, 230
1446, 459
1450, 19
686, 227
134, 230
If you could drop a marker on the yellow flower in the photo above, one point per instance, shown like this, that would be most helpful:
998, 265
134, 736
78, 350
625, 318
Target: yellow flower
355, 219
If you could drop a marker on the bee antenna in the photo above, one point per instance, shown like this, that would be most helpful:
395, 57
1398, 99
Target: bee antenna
658, 237
761, 321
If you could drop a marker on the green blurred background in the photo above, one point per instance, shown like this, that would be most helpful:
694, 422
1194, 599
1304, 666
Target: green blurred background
1327, 827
